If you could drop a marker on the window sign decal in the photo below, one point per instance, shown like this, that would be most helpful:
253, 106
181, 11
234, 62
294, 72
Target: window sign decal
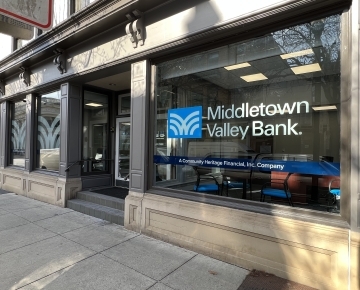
258, 127
185, 122
310, 167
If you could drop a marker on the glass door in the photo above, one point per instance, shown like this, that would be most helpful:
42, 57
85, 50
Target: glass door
95, 133
122, 158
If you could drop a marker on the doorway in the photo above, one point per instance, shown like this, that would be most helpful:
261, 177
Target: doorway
122, 152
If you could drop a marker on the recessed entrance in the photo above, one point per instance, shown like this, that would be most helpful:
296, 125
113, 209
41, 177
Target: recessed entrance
106, 132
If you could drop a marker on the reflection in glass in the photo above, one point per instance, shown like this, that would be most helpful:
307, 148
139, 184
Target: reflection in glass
274, 100
60, 11
95, 132
125, 103
18, 133
124, 151
48, 131
80, 4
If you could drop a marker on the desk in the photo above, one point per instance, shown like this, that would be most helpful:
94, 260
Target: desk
299, 182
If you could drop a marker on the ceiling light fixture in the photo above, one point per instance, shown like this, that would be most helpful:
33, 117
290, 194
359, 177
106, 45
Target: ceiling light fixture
93, 105
297, 53
236, 66
304, 69
325, 108
254, 78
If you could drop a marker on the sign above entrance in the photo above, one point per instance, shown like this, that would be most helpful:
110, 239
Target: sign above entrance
37, 13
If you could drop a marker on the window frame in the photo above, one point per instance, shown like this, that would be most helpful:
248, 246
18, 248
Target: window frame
10, 119
36, 126
340, 220
109, 147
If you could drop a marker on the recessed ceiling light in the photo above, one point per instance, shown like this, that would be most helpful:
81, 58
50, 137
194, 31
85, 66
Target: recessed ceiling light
236, 66
254, 78
304, 69
93, 105
297, 53
325, 108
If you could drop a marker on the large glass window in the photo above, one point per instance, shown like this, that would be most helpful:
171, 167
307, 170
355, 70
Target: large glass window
48, 131
61, 11
95, 132
80, 4
5, 47
18, 133
258, 119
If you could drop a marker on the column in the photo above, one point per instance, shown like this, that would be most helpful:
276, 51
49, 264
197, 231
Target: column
31, 133
4, 133
70, 132
139, 125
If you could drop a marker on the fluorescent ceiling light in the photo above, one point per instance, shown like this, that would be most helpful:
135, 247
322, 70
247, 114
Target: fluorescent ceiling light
93, 105
297, 53
254, 78
236, 66
304, 69
325, 108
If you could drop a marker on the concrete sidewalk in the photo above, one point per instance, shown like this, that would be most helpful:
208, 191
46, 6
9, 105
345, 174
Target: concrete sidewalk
47, 247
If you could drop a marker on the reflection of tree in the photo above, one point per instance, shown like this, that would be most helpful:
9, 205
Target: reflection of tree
323, 37
60, 11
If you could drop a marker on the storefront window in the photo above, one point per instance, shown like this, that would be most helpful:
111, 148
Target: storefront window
258, 119
5, 48
80, 4
18, 133
48, 131
95, 132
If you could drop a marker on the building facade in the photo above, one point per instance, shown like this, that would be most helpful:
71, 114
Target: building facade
235, 126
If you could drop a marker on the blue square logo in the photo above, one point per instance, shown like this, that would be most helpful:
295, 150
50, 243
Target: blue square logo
185, 122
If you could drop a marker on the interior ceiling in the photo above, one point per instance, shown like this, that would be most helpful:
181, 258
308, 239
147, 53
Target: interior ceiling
118, 82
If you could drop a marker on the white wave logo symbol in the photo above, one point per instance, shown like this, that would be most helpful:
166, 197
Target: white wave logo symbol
182, 127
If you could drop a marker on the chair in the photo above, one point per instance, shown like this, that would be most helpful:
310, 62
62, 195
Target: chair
236, 179
205, 173
284, 192
334, 195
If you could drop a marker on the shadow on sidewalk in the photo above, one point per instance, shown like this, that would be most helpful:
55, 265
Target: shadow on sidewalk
3, 191
259, 280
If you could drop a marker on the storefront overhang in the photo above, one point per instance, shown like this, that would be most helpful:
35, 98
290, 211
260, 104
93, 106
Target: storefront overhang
104, 15
98, 17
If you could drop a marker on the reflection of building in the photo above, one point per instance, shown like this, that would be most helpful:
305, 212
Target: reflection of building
275, 90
